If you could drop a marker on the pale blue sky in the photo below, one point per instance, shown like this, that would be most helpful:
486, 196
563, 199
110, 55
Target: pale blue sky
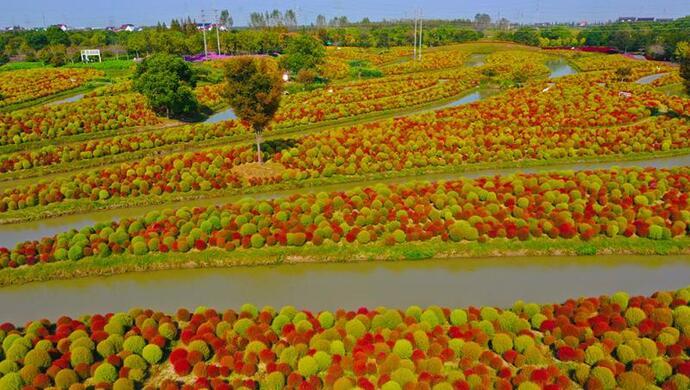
99, 13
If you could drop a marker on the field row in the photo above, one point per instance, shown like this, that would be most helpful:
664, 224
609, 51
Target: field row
24, 85
641, 203
602, 342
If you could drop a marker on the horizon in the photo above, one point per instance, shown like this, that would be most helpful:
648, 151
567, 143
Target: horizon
82, 14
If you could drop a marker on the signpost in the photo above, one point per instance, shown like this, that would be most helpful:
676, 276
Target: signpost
85, 54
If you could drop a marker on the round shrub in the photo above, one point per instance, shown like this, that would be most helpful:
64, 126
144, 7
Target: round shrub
326, 319
17, 351
201, 347
152, 353
391, 385
242, 325
488, 313
123, 384
605, 376
257, 240
167, 330
523, 342
75, 253
249, 309
11, 381
621, 298
106, 348
634, 316
430, 317
134, 344
106, 372
7, 366
279, 322
274, 381
66, 378
323, 359
501, 343
37, 358
363, 237
403, 348
662, 369
529, 386
337, 347
625, 354
593, 354
403, 375
307, 366
80, 355
458, 317
355, 328
135, 361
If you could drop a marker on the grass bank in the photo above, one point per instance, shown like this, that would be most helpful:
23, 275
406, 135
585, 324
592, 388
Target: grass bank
341, 253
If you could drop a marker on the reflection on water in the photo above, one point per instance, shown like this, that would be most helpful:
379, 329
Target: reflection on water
471, 98
456, 282
224, 115
12, 234
70, 99
560, 68
476, 60
650, 79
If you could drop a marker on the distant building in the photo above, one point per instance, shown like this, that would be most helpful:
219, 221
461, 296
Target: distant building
210, 26
664, 20
645, 20
62, 27
128, 27
582, 23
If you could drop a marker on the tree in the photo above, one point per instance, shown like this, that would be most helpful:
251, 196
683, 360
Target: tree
527, 36
55, 55
225, 19
56, 36
321, 21
167, 83
303, 52
623, 73
683, 54
482, 21
253, 89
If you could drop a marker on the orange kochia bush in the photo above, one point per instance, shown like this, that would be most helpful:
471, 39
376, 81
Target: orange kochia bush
603, 342
87, 115
27, 84
644, 203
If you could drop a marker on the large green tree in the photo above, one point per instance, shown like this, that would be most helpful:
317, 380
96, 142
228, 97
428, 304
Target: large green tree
683, 54
253, 89
303, 52
167, 83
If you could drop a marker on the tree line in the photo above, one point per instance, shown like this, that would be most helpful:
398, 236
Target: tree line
658, 40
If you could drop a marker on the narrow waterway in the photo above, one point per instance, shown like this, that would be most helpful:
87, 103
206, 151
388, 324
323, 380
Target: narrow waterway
70, 99
225, 115
454, 283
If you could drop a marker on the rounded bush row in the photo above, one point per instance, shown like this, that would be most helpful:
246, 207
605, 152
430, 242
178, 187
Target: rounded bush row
617, 342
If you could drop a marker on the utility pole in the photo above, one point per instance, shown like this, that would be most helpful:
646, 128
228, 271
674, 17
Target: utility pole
421, 33
215, 16
203, 29
414, 50
218, 31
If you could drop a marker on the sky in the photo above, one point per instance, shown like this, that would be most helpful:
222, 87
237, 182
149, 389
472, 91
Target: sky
100, 13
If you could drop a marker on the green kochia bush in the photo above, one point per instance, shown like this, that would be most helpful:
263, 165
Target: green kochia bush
105, 372
152, 353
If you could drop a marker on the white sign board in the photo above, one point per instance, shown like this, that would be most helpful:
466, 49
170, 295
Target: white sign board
85, 54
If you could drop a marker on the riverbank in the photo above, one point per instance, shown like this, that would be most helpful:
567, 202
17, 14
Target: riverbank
339, 253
